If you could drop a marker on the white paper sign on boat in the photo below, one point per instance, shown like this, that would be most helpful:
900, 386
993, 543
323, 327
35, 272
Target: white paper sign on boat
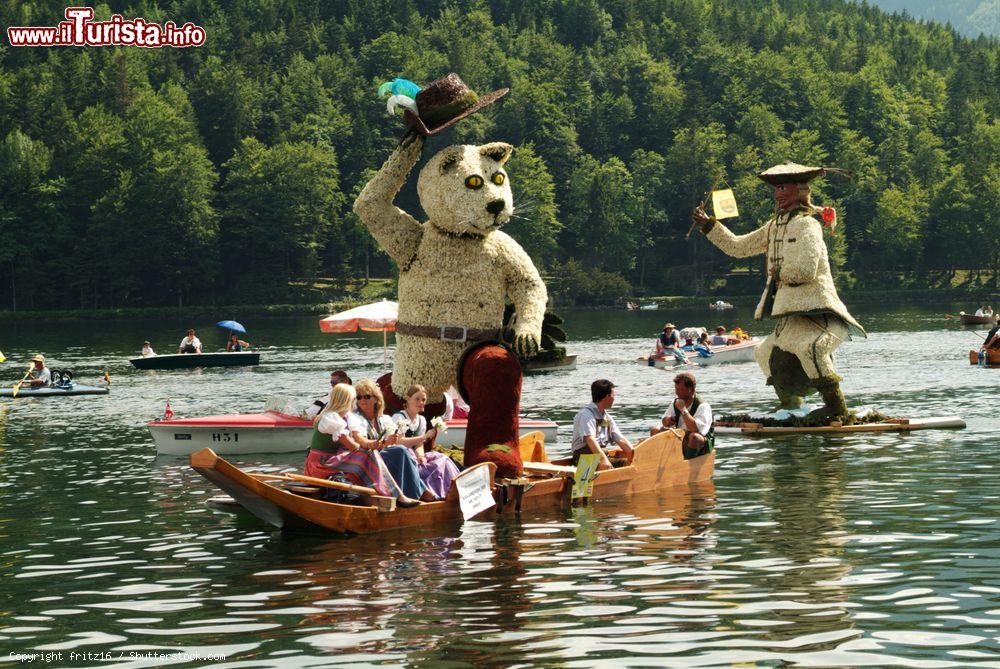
474, 495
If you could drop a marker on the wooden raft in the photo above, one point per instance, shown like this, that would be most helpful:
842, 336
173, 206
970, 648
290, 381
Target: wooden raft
891, 425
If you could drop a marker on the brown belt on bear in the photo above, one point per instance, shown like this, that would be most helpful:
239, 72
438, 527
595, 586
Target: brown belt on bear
451, 333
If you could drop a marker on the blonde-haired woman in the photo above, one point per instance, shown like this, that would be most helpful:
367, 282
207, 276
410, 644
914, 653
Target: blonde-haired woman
333, 451
371, 428
436, 469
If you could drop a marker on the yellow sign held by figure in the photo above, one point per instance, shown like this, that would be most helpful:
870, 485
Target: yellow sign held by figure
586, 472
724, 203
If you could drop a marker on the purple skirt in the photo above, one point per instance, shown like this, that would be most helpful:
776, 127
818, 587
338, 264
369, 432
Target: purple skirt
437, 473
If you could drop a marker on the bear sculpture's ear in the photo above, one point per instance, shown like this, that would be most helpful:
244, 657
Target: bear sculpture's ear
449, 161
498, 151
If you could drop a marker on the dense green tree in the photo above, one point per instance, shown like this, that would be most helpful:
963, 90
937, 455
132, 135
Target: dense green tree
622, 114
280, 206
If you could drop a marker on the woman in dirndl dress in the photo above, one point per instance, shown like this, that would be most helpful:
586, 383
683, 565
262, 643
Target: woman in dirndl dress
333, 450
371, 428
436, 469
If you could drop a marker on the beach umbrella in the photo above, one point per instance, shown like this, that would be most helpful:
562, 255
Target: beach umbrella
232, 325
376, 317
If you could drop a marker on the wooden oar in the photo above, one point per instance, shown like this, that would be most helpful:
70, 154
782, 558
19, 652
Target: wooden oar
951, 316
17, 386
361, 490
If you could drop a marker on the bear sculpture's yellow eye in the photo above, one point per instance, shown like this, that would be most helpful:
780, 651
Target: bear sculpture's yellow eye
474, 182
498, 178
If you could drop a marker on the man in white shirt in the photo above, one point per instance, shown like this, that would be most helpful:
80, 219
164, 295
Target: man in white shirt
147, 350
594, 429
190, 343
689, 413
40, 376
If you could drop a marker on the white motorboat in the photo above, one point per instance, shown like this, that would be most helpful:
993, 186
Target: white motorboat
275, 432
741, 352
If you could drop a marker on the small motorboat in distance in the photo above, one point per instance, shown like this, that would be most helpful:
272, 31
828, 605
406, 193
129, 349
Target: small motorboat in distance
719, 304
274, 431
741, 352
187, 360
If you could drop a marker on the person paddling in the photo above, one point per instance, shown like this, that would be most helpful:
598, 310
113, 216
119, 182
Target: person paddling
39, 376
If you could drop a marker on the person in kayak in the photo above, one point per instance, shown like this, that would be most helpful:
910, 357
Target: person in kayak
39, 376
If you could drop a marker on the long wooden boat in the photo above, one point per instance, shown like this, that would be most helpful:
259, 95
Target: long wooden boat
992, 358
65, 390
276, 432
657, 463
742, 352
891, 425
971, 319
185, 360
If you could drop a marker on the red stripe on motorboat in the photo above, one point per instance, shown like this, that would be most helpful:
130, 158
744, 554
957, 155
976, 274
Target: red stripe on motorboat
275, 420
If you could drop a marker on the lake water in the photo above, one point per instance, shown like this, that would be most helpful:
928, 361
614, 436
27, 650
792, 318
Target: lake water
857, 550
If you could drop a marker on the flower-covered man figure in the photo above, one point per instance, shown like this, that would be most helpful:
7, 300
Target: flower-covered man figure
812, 322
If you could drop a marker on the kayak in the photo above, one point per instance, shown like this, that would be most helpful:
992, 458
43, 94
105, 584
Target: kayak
185, 360
281, 500
742, 352
55, 391
276, 432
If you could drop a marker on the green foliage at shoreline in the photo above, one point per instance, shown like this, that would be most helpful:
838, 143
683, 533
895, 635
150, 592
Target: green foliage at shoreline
148, 177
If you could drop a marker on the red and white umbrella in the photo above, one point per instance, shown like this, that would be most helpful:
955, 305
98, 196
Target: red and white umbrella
376, 317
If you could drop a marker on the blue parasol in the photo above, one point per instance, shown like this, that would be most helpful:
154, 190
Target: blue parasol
232, 325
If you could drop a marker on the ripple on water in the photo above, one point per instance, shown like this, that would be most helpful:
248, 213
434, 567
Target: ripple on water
861, 550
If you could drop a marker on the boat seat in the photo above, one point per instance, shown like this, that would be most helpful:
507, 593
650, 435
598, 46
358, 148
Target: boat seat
299, 488
548, 469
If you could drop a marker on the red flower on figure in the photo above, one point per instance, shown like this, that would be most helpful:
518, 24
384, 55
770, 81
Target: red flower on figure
829, 215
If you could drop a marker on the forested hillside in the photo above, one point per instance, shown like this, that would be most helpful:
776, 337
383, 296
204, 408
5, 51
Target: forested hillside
137, 177
971, 17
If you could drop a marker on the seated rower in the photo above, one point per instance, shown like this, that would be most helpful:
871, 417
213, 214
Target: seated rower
147, 350
687, 412
235, 344
720, 338
39, 376
594, 429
